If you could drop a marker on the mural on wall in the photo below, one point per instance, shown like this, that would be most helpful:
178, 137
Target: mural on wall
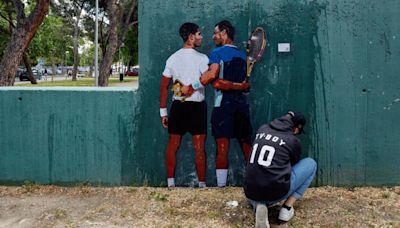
325, 58
336, 61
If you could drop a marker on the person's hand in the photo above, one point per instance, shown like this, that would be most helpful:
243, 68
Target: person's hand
164, 121
187, 90
245, 85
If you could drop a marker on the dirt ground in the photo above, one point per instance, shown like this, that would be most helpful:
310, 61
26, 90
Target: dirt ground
83, 206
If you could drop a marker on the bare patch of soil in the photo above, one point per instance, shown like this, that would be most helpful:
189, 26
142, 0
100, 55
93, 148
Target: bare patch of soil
50, 206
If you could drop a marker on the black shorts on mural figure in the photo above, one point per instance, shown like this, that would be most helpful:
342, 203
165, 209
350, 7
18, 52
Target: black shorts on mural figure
189, 117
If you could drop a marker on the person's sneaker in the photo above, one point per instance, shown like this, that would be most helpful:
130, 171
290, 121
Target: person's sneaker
285, 214
262, 216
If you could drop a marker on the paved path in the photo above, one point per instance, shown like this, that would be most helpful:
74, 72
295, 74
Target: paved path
44, 79
134, 84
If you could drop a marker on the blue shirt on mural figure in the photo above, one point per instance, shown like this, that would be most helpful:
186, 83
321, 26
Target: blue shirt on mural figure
233, 68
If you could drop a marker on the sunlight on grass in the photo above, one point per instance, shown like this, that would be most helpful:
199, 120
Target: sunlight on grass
78, 82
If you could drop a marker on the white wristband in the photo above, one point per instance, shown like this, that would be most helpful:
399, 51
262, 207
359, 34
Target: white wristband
197, 85
163, 112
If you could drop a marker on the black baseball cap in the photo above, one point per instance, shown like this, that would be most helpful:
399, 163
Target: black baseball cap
298, 120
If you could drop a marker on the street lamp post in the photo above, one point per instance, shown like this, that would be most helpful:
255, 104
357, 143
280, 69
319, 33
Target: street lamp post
96, 35
66, 64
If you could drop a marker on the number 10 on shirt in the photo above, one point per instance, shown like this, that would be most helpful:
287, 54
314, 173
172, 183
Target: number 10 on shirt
265, 156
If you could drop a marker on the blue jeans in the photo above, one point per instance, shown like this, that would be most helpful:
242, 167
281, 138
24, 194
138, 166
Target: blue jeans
302, 175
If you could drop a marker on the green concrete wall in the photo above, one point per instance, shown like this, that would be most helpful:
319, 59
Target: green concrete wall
342, 72
66, 135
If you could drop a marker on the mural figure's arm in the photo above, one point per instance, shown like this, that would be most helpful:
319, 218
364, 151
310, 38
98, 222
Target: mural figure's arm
163, 100
226, 85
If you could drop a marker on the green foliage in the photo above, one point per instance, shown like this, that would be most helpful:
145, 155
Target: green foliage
385, 195
6, 11
129, 51
132, 190
4, 39
87, 55
158, 196
53, 40
30, 186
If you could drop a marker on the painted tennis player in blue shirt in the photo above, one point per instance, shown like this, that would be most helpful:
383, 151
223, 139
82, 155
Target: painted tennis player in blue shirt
231, 115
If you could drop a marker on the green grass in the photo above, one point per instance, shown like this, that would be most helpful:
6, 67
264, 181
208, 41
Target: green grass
158, 196
78, 82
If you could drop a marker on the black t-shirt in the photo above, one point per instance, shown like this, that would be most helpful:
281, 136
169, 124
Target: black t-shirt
275, 150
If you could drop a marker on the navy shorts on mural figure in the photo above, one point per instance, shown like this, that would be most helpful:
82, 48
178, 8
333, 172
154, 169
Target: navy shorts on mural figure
231, 120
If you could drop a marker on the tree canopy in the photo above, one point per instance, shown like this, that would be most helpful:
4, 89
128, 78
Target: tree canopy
69, 20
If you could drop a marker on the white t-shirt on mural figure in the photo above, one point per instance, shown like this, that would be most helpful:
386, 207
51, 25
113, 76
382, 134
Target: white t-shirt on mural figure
187, 65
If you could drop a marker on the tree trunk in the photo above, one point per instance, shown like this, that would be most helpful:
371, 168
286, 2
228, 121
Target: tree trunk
102, 42
20, 39
91, 67
129, 64
53, 65
28, 66
114, 42
63, 67
76, 41
114, 15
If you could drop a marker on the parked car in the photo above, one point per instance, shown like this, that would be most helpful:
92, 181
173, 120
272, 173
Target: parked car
132, 72
24, 75
19, 72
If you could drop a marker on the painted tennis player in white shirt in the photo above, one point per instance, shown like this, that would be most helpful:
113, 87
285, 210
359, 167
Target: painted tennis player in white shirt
187, 114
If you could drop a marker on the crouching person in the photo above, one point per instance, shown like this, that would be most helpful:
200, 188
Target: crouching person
275, 171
